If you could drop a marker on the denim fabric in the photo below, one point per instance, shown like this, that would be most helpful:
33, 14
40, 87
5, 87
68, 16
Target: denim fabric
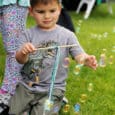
20, 2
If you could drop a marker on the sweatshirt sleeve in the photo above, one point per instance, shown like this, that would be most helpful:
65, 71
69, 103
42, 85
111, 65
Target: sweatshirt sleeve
76, 50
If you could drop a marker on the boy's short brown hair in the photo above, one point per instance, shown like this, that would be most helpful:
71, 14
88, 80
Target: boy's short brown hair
34, 2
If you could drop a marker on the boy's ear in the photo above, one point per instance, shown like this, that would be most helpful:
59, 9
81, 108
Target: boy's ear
30, 11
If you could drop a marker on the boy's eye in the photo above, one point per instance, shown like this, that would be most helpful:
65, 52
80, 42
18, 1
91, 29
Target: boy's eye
52, 11
42, 11
39, 11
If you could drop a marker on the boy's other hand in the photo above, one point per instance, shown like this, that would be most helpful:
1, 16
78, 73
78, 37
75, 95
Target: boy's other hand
91, 61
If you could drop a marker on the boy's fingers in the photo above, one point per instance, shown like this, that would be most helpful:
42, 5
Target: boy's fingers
92, 62
28, 48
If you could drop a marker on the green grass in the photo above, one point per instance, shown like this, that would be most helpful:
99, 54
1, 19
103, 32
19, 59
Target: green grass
95, 34
2, 59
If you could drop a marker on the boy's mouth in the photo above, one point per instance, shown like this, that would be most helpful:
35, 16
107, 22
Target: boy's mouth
47, 21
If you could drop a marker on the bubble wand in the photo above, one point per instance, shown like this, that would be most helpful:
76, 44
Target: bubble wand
52, 47
49, 101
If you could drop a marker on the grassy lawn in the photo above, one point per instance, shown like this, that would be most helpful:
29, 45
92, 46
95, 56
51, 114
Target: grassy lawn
97, 36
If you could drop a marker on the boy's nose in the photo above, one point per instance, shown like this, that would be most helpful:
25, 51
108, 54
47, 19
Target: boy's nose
47, 15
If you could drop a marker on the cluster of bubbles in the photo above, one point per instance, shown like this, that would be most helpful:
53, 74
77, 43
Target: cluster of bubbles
103, 61
99, 36
77, 107
67, 107
77, 67
83, 97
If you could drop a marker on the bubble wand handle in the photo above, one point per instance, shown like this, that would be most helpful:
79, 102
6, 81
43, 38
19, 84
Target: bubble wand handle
52, 47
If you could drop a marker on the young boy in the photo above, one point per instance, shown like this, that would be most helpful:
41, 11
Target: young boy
42, 49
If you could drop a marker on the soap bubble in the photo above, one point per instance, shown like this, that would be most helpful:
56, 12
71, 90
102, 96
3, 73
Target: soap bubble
102, 61
83, 98
77, 109
90, 87
77, 69
66, 63
66, 108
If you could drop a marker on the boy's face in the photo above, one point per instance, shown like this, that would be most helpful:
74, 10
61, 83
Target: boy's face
46, 15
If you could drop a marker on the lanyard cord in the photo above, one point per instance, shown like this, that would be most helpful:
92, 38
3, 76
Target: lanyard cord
54, 72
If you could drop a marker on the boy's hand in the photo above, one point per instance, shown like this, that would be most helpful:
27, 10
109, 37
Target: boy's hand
27, 48
91, 61
22, 54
